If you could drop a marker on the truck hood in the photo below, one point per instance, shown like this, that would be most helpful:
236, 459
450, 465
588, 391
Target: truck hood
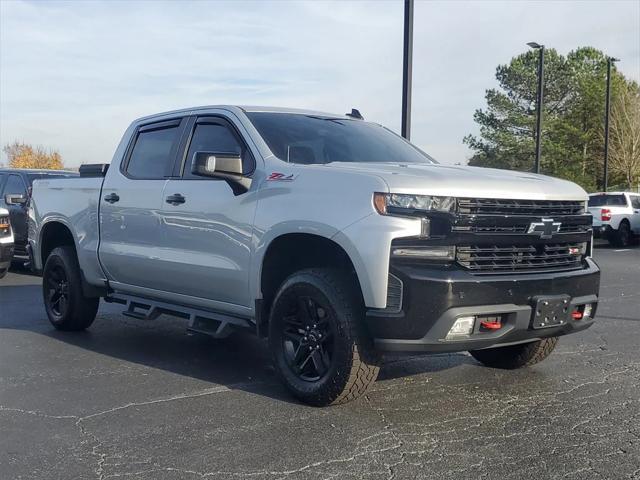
458, 181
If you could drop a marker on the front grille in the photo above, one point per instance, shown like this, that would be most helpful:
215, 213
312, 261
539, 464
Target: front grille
519, 228
496, 206
518, 258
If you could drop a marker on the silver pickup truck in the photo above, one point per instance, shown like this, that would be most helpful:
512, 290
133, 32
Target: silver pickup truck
331, 236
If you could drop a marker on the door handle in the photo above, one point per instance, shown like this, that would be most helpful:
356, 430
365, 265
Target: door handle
175, 199
112, 198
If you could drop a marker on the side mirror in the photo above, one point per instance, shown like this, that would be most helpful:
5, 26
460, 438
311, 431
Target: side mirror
224, 165
15, 199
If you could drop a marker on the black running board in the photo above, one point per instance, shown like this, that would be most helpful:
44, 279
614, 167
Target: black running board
217, 325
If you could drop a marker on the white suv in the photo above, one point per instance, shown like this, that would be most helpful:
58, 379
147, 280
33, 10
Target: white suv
616, 216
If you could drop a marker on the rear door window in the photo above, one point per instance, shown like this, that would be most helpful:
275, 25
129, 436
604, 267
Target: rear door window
617, 200
635, 201
154, 151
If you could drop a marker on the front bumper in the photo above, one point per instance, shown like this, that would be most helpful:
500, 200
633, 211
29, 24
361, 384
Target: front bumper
433, 298
6, 254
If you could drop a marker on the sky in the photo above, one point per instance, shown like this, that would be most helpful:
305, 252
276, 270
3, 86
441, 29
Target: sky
74, 74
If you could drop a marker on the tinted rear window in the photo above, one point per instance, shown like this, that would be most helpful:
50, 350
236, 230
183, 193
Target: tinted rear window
151, 156
608, 201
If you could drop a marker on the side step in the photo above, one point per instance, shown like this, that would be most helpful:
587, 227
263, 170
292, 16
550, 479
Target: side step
217, 325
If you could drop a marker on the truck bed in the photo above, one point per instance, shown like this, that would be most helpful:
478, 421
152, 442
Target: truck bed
73, 202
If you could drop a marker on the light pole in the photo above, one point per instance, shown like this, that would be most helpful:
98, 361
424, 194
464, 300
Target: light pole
407, 61
540, 49
605, 180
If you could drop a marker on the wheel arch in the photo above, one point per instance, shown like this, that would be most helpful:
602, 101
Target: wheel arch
293, 251
58, 233
54, 233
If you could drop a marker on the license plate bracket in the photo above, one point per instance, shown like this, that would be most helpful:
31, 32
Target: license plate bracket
550, 311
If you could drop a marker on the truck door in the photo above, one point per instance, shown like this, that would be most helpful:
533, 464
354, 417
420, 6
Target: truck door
130, 206
208, 228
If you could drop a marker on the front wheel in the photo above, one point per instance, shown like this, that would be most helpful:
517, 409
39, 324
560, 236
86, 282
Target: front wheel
67, 307
516, 356
317, 339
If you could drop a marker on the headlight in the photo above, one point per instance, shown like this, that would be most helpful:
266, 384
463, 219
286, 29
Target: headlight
5, 226
412, 205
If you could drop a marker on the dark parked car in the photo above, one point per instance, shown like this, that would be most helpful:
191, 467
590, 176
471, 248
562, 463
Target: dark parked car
15, 194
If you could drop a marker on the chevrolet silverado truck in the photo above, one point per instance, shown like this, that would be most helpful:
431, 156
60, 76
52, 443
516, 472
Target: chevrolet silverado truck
331, 236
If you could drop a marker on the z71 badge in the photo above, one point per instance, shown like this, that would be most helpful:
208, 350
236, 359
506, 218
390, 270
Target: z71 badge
280, 177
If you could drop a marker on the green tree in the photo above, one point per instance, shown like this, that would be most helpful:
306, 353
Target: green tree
624, 136
573, 116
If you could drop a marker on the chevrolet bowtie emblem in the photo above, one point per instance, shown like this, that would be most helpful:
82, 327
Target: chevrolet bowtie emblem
545, 228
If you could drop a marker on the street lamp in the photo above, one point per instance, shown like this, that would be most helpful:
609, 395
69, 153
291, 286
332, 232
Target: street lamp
540, 49
605, 180
407, 61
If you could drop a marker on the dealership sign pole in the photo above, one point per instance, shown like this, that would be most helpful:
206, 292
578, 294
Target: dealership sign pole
407, 68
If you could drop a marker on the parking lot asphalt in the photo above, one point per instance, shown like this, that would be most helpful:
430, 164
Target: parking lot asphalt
144, 400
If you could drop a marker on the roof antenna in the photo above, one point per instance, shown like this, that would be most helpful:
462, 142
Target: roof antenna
355, 113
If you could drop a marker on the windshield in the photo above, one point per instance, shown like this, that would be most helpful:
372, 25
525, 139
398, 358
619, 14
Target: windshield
608, 200
310, 139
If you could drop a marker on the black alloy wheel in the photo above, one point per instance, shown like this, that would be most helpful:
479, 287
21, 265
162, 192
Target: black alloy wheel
67, 306
308, 339
57, 291
319, 345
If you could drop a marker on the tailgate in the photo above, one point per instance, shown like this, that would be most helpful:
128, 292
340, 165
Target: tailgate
596, 212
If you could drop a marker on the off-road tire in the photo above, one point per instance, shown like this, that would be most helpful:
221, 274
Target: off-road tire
516, 356
354, 364
622, 236
80, 311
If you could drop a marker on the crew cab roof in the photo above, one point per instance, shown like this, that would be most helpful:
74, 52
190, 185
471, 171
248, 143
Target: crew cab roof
243, 108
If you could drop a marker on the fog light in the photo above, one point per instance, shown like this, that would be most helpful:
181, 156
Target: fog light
588, 309
463, 326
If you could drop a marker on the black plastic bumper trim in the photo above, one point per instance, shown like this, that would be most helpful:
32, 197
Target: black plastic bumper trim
433, 299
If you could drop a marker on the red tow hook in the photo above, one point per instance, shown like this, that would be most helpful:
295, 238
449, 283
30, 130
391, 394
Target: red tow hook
491, 325
576, 315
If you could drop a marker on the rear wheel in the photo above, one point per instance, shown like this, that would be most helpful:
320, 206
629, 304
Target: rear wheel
516, 356
319, 346
66, 306
622, 236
